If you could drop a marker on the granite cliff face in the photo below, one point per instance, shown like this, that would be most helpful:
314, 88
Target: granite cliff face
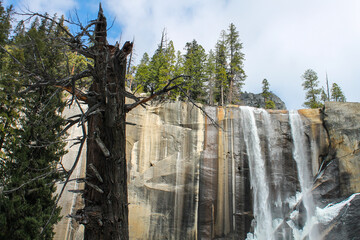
253, 174
342, 120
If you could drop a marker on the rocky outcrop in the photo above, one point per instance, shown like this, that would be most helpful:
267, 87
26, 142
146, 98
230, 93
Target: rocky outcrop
339, 180
258, 101
342, 120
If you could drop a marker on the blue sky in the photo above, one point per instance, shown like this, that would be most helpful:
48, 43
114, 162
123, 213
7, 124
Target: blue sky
281, 38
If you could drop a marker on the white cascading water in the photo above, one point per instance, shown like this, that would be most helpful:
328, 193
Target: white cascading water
300, 154
328, 213
276, 168
258, 179
265, 223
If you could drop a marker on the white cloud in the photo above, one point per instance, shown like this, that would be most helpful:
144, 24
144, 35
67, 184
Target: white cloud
281, 38
52, 7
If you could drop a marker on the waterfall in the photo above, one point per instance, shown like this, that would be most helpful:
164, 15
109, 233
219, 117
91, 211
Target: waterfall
258, 178
301, 156
277, 172
249, 176
268, 206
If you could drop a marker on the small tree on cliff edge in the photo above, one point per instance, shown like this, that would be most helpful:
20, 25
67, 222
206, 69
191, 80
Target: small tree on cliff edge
310, 85
269, 104
337, 94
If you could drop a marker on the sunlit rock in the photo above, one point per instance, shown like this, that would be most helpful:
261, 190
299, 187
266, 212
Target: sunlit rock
235, 173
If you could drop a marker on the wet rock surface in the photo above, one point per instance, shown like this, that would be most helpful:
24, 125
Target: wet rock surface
191, 179
191, 164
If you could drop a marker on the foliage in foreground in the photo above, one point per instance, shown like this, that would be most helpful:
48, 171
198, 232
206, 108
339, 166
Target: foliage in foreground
30, 127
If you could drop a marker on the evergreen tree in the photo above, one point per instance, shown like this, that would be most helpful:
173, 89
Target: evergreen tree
195, 57
157, 67
143, 73
179, 65
221, 54
178, 69
5, 27
170, 58
210, 76
323, 96
265, 89
9, 102
161, 66
336, 94
29, 157
269, 104
236, 73
310, 85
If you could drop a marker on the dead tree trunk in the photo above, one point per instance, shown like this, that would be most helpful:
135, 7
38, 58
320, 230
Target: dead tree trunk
106, 204
105, 214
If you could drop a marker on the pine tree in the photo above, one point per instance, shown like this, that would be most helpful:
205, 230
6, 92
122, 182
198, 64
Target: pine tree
323, 96
179, 65
221, 54
161, 65
236, 73
33, 149
170, 58
195, 57
310, 85
336, 94
9, 102
142, 73
265, 89
269, 104
210, 76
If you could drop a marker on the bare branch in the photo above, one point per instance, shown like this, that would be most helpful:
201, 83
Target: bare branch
94, 187
97, 174
69, 174
201, 109
69, 125
128, 95
28, 182
34, 14
62, 83
102, 146
165, 89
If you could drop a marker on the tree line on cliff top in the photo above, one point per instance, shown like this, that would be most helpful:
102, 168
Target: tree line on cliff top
216, 77
41, 60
